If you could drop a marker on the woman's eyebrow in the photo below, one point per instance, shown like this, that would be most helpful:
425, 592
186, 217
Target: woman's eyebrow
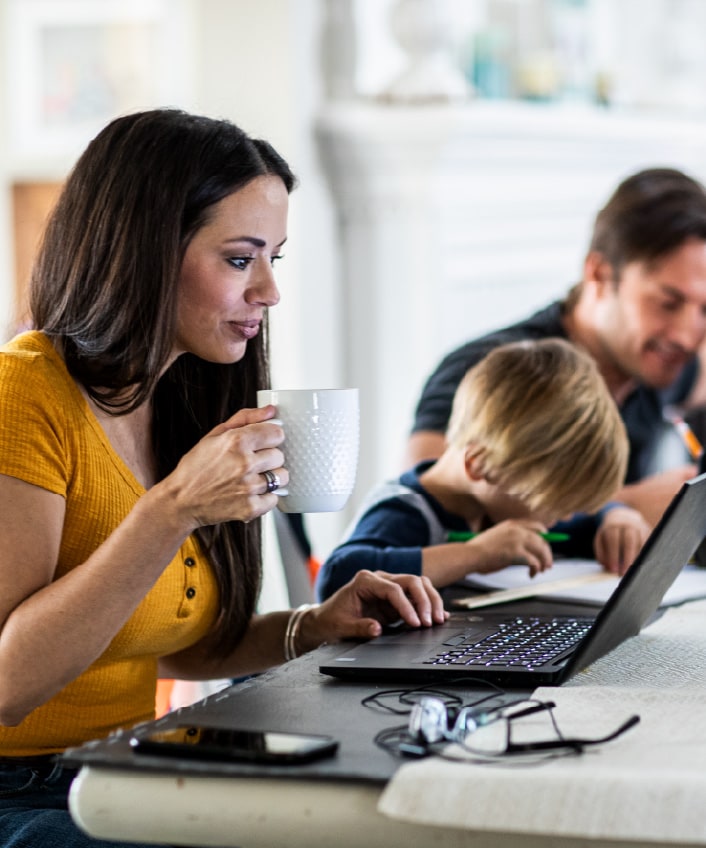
253, 240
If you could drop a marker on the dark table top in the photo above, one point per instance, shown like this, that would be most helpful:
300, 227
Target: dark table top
294, 697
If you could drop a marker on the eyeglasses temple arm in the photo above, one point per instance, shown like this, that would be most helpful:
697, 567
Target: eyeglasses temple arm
575, 744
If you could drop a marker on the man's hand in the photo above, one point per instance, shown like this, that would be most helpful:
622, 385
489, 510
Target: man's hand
622, 533
652, 495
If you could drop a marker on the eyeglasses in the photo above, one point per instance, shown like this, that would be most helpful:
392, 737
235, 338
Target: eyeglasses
402, 701
487, 735
490, 733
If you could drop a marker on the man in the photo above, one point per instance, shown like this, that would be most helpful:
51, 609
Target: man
640, 311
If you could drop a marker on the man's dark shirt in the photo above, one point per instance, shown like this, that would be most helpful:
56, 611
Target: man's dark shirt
642, 410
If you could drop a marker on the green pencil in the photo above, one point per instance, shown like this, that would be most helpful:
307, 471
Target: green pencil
464, 536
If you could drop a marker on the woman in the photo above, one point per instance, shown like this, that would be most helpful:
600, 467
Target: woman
133, 461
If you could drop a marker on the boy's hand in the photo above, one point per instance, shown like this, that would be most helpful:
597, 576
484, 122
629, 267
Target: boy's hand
622, 533
513, 542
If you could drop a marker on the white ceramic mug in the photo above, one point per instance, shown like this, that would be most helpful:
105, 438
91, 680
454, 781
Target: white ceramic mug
321, 440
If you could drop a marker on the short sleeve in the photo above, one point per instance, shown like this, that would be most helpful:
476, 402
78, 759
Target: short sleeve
32, 422
434, 406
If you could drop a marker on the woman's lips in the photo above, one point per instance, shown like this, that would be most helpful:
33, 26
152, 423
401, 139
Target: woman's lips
247, 329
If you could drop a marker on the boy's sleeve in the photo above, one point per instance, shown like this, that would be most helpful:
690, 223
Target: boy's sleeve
389, 537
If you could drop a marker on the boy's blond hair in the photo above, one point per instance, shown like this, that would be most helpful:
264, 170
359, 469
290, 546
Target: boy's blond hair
548, 428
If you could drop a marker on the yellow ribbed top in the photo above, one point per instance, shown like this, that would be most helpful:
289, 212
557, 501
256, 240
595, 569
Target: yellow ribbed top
50, 438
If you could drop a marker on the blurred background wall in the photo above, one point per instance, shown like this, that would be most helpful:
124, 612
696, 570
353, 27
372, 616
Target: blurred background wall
451, 155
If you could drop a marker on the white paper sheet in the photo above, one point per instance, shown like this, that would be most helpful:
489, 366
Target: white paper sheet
689, 585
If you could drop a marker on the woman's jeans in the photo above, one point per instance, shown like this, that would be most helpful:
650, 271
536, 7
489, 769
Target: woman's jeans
34, 806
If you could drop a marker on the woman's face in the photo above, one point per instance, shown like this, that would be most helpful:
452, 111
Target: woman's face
226, 280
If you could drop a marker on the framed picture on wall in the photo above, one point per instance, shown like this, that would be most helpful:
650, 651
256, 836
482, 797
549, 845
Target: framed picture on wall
72, 65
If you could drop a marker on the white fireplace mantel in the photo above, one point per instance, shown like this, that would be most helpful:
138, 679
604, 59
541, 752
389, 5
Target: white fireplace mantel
457, 218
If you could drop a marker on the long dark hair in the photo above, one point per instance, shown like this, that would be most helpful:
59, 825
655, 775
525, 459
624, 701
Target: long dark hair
104, 287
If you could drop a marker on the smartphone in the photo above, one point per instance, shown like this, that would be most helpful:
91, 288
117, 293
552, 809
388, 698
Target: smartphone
200, 742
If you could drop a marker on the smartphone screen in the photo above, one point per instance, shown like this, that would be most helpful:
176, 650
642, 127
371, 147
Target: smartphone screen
191, 741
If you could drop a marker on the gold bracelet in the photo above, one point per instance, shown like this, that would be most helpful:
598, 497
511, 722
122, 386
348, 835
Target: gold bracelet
292, 631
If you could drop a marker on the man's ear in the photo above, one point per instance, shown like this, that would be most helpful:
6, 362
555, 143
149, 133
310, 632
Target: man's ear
474, 458
598, 270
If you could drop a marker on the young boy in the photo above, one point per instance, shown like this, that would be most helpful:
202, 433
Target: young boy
534, 438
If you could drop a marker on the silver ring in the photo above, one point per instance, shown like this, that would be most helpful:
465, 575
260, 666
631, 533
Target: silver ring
273, 482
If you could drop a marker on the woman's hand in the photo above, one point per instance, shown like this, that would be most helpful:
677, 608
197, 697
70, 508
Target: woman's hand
619, 539
370, 600
357, 610
221, 479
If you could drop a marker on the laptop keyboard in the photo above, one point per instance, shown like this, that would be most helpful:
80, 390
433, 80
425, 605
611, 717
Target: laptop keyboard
525, 642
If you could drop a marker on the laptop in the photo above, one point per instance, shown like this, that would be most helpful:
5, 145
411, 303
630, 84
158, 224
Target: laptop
499, 647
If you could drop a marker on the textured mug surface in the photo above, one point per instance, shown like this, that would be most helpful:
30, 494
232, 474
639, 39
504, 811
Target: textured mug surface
321, 441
